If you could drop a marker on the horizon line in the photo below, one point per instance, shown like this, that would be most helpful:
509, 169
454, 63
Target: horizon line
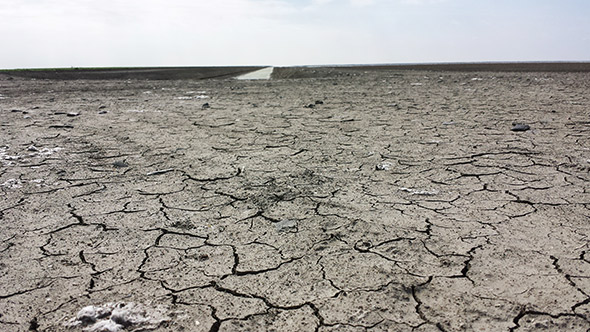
375, 64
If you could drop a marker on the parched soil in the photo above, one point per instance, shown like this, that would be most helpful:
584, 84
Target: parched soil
334, 200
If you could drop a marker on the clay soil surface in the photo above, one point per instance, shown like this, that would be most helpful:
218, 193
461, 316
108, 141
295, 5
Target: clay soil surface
324, 199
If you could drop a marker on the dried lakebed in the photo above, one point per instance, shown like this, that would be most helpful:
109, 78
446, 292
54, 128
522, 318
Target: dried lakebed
335, 200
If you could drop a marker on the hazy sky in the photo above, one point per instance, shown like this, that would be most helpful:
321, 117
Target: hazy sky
89, 33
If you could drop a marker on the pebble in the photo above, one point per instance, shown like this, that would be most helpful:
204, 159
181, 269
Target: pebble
61, 126
205, 106
520, 127
120, 164
384, 166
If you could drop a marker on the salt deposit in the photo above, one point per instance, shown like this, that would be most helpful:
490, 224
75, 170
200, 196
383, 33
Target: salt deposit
49, 151
384, 166
114, 317
262, 74
12, 184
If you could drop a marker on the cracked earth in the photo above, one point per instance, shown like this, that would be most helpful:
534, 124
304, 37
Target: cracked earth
351, 201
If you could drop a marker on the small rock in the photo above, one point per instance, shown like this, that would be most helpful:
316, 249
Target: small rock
103, 112
309, 106
205, 106
32, 148
33, 324
72, 114
101, 107
520, 127
383, 166
120, 164
319, 102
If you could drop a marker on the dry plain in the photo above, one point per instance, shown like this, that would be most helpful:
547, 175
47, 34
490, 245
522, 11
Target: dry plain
324, 199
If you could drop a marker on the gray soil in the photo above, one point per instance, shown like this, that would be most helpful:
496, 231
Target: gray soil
402, 201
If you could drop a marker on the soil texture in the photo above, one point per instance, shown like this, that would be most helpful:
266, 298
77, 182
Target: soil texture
324, 199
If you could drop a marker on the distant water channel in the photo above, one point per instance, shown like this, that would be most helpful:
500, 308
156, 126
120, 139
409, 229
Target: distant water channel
262, 74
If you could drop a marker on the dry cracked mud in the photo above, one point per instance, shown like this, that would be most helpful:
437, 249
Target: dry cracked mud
400, 202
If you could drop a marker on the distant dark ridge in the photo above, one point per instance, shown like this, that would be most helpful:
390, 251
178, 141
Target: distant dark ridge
328, 71
155, 73
483, 66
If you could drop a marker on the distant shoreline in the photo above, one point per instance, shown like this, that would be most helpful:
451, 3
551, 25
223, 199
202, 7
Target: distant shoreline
180, 73
565, 66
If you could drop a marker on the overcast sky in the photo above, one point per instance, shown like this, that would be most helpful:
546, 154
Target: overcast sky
109, 33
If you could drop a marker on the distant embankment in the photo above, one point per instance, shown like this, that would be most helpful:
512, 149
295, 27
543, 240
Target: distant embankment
347, 70
484, 66
163, 73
